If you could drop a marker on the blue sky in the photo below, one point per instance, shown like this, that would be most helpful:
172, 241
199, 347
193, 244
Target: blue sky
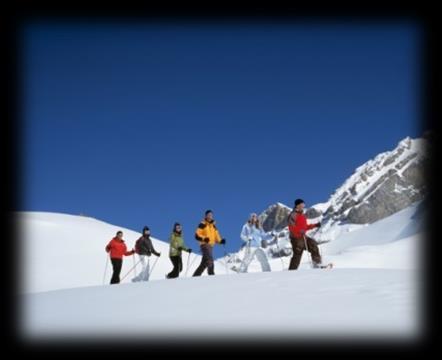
148, 124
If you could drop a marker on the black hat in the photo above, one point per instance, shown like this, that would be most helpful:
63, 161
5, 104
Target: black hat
208, 211
175, 225
299, 201
145, 228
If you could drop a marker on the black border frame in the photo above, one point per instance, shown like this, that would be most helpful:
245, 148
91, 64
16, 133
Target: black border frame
18, 15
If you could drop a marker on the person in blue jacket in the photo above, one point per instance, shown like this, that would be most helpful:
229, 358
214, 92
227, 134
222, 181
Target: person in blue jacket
253, 235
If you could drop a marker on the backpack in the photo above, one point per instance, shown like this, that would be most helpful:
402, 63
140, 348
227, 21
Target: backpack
138, 246
291, 226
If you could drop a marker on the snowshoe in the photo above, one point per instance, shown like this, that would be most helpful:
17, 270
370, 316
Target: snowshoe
319, 242
234, 268
323, 266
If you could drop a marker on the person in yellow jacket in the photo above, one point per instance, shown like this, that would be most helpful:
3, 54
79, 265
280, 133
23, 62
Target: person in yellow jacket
207, 234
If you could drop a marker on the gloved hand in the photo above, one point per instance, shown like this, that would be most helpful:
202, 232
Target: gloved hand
189, 250
206, 240
302, 232
318, 225
158, 254
180, 248
223, 241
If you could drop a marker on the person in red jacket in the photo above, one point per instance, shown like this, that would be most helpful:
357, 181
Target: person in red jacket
297, 228
117, 249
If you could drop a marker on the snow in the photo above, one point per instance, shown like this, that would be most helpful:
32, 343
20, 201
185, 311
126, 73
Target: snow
371, 292
400, 254
380, 232
392, 242
64, 251
283, 205
321, 207
320, 303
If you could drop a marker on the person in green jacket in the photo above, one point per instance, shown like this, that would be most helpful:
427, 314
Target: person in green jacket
176, 247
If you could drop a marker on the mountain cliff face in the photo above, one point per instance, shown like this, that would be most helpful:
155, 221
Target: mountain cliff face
390, 182
275, 217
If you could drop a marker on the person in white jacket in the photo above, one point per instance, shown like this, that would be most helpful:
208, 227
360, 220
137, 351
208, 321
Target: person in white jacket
252, 234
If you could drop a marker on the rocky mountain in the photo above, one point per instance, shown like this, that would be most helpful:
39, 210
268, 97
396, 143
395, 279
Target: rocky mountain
390, 182
275, 217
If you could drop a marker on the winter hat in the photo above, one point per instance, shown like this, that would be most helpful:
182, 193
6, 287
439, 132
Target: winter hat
145, 228
252, 215
208, 211
175, 225
299, 201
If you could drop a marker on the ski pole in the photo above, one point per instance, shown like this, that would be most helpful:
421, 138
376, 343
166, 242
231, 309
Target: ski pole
320, 255
187, 265
153, 267
130, 271
279, 252
193, 261
135, 265
105, 268
306, 247
225, 259
246, 253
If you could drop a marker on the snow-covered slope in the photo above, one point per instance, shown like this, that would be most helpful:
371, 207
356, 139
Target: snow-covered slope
341, 303
372, 292
62, 251
381, 202
384, 231
354, 245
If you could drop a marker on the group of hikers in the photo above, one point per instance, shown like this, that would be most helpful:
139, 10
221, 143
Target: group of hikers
208, 235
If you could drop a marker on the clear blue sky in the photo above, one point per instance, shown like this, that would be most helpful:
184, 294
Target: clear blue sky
151, 124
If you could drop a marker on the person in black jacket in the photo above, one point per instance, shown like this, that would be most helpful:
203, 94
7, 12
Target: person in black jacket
144, 247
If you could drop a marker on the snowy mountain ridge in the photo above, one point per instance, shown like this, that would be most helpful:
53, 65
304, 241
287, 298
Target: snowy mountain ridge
382, 186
